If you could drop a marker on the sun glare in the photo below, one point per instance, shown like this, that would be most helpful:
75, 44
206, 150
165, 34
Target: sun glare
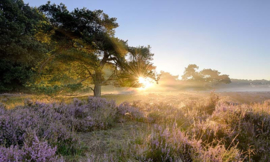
146, 83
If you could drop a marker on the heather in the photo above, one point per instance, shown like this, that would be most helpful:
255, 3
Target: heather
55, 123
187, 127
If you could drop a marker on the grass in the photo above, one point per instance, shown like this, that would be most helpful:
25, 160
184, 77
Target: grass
114, 142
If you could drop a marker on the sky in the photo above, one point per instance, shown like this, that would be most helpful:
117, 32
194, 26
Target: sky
231, 36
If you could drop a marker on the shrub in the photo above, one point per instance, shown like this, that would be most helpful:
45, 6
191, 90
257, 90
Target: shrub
130, 112
96, 113
32, 150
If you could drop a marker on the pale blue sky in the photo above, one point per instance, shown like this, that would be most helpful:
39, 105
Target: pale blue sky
231, 36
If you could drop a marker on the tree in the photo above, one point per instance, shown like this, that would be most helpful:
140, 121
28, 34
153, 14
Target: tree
137, 65
209, 76
167, 79
190, 73
19, 49
19, 24
214, 77
13, 76
85, 50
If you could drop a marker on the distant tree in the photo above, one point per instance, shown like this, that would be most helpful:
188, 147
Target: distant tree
168, 79
85, 50
214, 77
190, 73
19, 49
225, 79
209, 76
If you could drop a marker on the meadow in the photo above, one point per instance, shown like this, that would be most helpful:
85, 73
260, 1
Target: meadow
180, 126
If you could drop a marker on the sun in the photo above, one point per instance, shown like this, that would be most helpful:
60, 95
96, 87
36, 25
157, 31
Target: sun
146, 83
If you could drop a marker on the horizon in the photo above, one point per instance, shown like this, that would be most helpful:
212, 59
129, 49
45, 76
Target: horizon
231, 37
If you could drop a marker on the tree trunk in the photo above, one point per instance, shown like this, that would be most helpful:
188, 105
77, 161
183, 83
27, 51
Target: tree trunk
97, 90
98, 83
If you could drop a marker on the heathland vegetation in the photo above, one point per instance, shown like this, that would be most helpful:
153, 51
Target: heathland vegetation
49, 52
155, 127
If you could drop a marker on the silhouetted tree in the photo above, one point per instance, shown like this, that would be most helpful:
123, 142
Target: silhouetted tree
190, 73
168, 79
212, 77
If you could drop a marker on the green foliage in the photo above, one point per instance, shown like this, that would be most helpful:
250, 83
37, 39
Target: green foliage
55, 89
68, 147
48, 90
13, 76
20, 51
73, 87
18, 25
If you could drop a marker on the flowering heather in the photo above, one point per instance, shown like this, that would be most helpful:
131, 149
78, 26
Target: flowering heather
170, 145
2, 109
32, 150
129, 111
95, 113
161, 128
12, 153
57, 124
160, 112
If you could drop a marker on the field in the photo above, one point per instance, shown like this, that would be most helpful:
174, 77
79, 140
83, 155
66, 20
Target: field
184, 126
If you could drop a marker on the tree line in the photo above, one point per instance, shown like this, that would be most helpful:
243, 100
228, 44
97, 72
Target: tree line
193, 79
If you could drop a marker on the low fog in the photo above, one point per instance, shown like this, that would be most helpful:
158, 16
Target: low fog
172, 83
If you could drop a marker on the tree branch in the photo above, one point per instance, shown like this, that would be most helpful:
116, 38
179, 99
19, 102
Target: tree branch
104, 60
44, 63
92, 89
89, 72
84, 79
